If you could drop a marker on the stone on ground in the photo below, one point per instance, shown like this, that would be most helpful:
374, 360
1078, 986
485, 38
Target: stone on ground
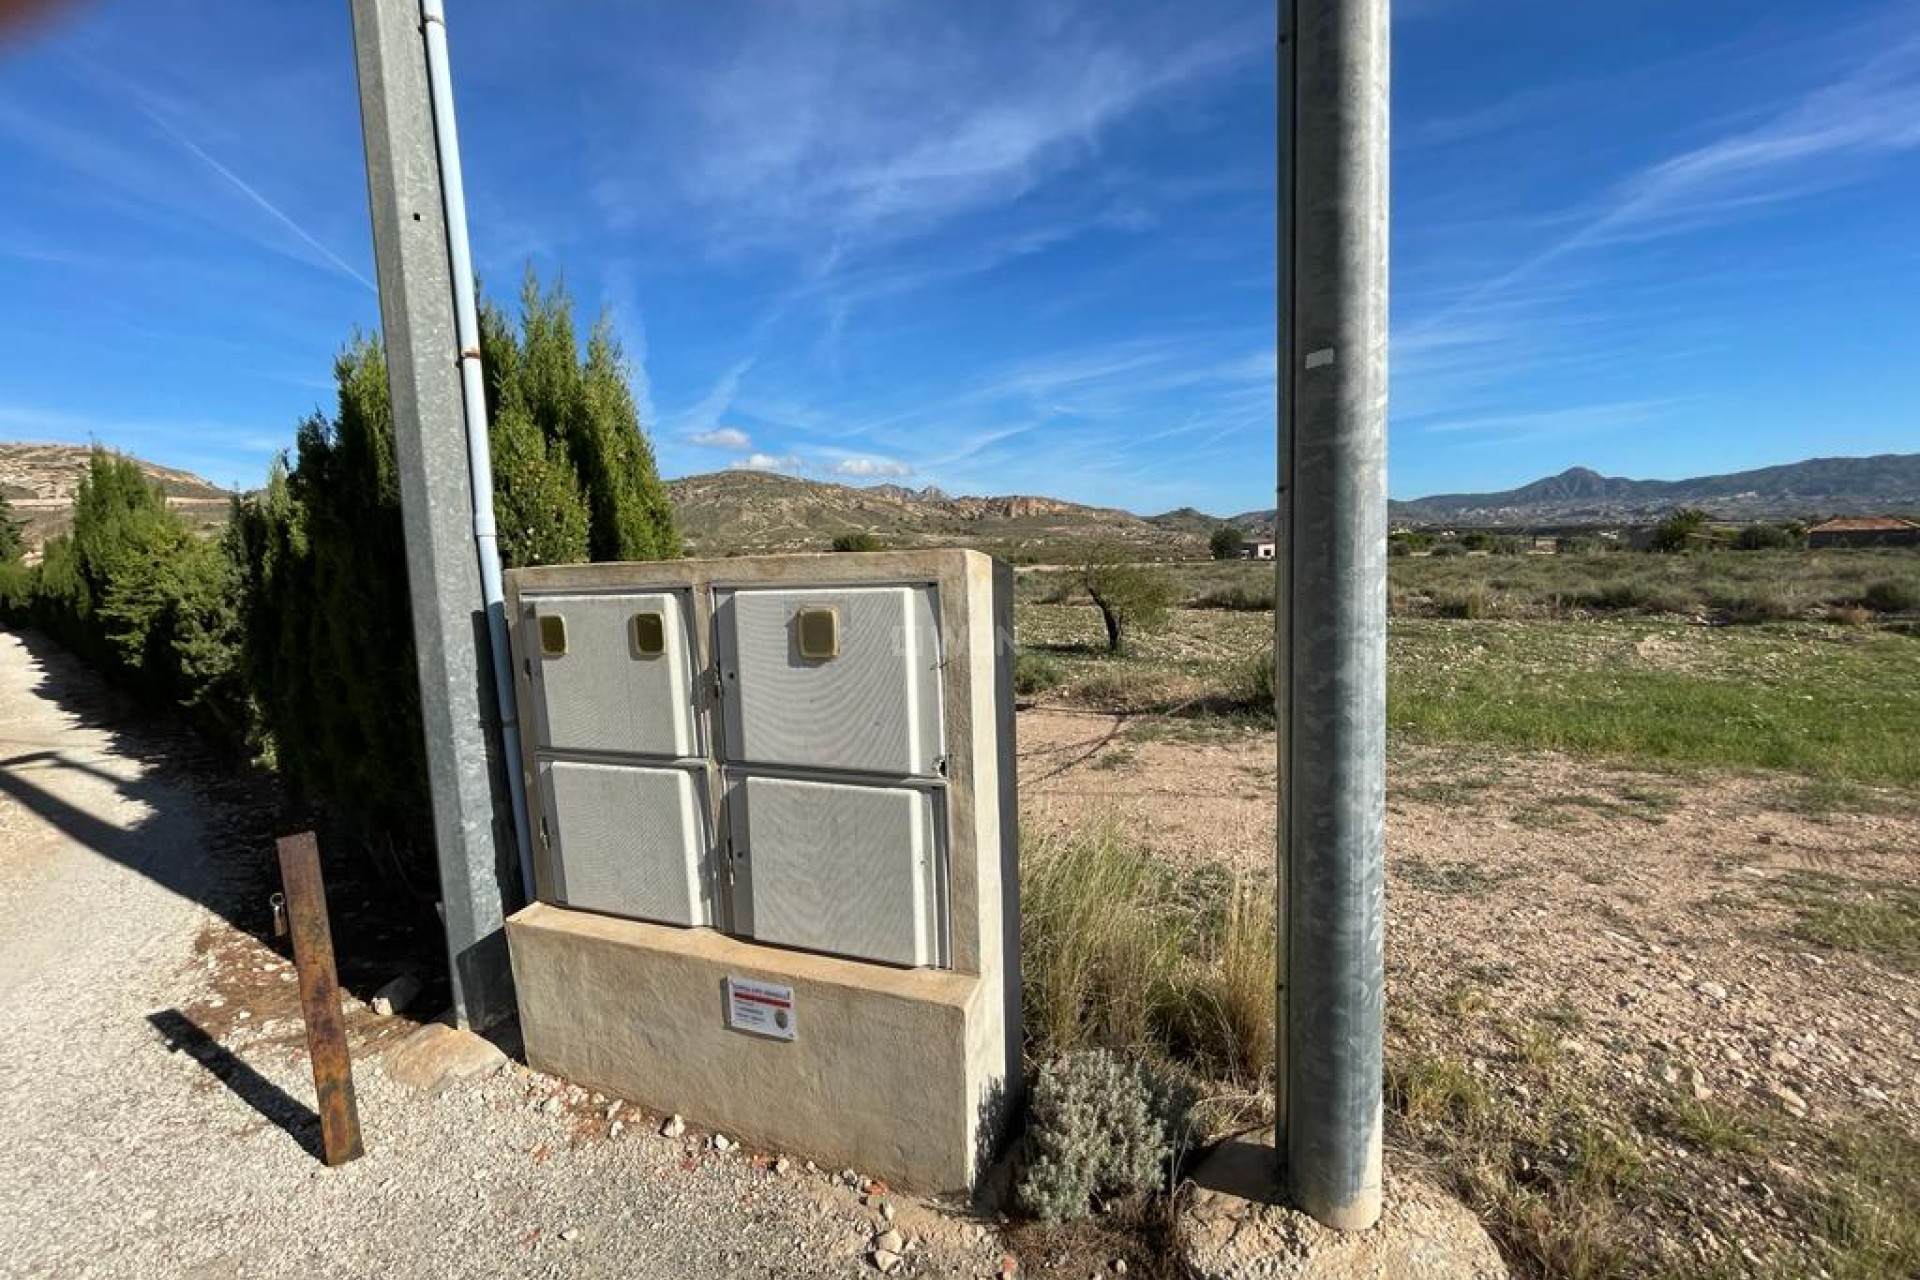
437, 1057
396, 995
1232, 1227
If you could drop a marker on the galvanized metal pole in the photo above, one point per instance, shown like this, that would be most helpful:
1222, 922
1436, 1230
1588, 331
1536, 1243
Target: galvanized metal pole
1330, 620
473, 841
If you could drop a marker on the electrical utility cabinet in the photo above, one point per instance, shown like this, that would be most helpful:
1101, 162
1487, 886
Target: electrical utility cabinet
775, 863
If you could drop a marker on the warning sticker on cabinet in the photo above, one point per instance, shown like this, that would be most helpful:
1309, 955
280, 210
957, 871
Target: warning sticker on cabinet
760, 1007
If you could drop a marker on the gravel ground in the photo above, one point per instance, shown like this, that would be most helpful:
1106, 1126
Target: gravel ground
157, 1105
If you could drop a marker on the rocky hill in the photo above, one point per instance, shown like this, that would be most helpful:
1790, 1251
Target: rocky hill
746, 511
40, 480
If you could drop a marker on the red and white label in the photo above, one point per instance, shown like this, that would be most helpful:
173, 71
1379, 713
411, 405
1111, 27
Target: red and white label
761, 1008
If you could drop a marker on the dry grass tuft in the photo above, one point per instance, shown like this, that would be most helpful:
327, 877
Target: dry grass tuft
1120, 952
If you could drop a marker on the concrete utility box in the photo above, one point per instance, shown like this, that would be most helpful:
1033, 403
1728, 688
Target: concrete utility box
776, 850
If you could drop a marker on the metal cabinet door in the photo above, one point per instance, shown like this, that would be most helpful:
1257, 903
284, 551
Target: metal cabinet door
614, 673
844, 868
872, 704
627, 840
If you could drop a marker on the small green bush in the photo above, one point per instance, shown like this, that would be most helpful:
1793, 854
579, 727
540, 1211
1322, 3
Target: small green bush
1764, 537
1474, 602
1101, 1127
1891, 596
858, 540
1751, 604
1241, 597
1633, 595
1036, 673
1253, 685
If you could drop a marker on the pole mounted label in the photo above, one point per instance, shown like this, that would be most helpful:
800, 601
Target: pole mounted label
761, 1008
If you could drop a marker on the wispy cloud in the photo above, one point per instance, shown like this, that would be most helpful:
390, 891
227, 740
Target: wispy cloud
1563, 420
723, 438
1827, 138
98, 156
865, 124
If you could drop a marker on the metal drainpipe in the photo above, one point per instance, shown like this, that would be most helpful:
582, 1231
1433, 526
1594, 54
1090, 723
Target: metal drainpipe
473, 392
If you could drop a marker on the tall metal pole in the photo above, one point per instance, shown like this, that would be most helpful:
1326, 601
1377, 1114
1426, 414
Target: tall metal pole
1331, 598
474, 843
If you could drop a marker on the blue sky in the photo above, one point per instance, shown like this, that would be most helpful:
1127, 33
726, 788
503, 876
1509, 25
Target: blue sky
997, 246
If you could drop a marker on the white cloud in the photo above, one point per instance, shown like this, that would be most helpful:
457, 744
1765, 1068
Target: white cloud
859, 124
871, 467
723, 438
764, 462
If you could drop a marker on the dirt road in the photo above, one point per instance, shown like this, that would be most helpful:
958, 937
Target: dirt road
156, 1127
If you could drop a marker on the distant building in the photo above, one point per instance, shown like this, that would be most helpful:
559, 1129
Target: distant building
1865, 531
1256, 551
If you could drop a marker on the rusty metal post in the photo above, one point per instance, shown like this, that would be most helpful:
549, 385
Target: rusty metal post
320, 998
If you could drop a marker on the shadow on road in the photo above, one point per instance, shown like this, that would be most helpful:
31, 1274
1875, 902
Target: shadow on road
183, 1035
208, 825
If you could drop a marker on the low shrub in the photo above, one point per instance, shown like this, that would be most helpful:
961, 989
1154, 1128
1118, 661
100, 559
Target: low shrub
1892, 596
1472, 602
1752, 604
1101, 1127
858, 540
1628, 595
1252, 686
1122, 689
1764, 537
1036, 673
1238, 598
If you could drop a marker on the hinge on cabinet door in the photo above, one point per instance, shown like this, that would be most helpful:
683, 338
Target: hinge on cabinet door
719, 685
940, 765
546, 841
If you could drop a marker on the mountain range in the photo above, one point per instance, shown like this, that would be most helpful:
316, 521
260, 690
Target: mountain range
1816, 487
750, 511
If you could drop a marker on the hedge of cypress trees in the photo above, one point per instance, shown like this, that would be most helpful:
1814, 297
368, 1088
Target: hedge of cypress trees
290, 634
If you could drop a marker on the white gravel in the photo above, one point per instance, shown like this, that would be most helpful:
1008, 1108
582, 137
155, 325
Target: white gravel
124, 1157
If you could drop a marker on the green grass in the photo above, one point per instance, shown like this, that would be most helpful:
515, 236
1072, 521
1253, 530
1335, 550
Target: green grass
1442, 877
1876, 918
1733, 586
1821, 701
1836, 705
1708, 1126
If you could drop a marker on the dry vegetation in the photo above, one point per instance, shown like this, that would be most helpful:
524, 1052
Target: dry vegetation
1654, 903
